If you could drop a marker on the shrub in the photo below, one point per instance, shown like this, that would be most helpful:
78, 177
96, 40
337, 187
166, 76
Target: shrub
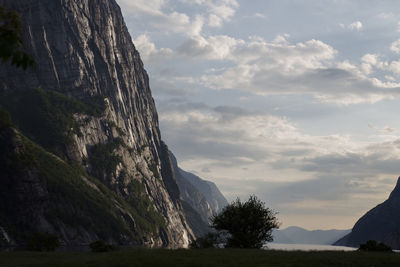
209, 240
43, 242
5, 119
101, 246
372, 245
248, 224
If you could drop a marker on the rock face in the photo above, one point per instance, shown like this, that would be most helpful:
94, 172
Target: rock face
88, 68
201, 199
381, 223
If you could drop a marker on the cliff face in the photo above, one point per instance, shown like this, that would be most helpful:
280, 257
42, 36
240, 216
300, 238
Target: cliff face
89, 70
381, 223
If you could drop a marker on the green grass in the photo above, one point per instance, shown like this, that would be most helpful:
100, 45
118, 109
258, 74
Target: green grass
196, 258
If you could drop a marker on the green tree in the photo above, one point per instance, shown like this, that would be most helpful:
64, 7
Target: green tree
101, 246
372, 245
43, 242
11, 45
248, 224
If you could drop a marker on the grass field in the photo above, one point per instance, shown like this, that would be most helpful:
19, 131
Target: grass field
193, 258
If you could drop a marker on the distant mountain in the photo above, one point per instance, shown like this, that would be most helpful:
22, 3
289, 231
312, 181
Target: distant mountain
381, 223
201, 199
298, 235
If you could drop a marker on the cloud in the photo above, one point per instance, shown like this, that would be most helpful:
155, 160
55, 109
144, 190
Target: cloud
148, 50
279, 67
215, 47
260, 15
270, 115
395, 46
355, 26
158, 16
253, 152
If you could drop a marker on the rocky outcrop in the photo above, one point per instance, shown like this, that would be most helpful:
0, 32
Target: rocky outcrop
201, 199
381, 223
85, 57
208, 189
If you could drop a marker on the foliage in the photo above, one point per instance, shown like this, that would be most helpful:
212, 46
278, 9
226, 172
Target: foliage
147, 218
372, 245
209, 240
154, 170
47, 117
249, 224
101, 246
43, 242
103, 159
5, 119
95, 209
11, 45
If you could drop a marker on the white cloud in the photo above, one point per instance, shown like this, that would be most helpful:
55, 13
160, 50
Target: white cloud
395, 46
256, 153
148, 51
215, 47
282, 159
260, 15
357, 25
160, 17
219, 11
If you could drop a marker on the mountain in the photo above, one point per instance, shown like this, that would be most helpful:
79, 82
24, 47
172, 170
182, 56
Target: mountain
209, 190
298, 235
201, 199
83, 157
381, 223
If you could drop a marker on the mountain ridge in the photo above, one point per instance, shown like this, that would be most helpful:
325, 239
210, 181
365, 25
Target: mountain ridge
298, 235
381, 223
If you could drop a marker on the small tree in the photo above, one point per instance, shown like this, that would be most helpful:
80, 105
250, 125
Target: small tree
249, 224
209, 240
43, 242
11, 45
372, 245
101, 246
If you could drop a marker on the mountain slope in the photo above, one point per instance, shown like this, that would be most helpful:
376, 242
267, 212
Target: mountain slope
42, 193
298, 235
201, 199
88, 102
381, 223
208, 189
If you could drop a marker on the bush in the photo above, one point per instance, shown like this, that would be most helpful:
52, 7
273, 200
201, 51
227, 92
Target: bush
101, 246
248, 224
5, 119
209, 240
372, 245
43, 242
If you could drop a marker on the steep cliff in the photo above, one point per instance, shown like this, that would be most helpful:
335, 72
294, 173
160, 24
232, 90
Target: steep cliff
88, 102
381, 223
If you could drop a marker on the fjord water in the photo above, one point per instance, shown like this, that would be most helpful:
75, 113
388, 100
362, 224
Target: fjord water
306, 247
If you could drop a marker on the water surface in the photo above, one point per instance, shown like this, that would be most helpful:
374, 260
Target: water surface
307, 247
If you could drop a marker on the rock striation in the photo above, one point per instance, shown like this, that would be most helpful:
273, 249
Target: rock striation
381, 223
90, 75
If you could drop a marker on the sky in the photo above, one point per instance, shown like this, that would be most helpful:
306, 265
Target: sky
294, 101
